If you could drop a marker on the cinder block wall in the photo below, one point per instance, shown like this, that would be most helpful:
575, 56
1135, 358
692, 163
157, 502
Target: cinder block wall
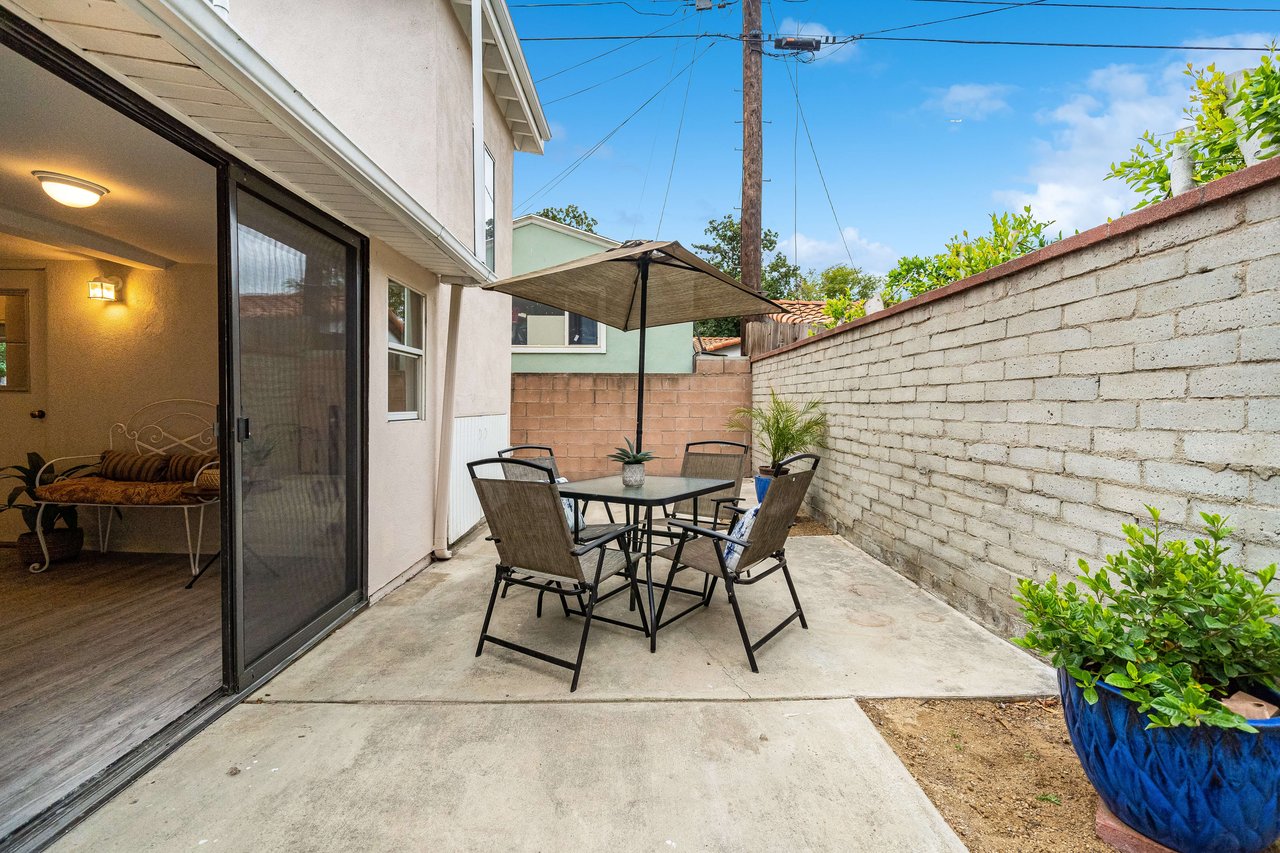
1008, 424
584, 416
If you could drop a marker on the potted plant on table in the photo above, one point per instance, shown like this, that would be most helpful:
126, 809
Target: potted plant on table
64, 542
632, 463
784, 429
1148, 648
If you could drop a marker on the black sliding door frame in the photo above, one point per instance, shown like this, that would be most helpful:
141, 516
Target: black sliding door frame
245, 672
240, 677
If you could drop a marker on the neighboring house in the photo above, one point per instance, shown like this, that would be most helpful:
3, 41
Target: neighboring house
548, 340
299, 201
805, 317
723, 347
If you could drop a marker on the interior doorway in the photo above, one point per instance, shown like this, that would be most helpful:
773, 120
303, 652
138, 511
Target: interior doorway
110, 378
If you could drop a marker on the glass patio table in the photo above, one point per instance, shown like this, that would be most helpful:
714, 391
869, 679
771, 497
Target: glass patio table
640, 501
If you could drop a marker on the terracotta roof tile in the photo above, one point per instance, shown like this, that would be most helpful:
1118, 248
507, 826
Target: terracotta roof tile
706, 344
803, 311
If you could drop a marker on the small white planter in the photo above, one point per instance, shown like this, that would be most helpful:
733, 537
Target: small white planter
633, 475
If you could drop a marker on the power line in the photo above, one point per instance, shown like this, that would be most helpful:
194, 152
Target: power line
611, 50
653, 148
1122, 6
850, 39
675, 151
1003, 8
586, 155
594, 3
1223, 47
610, 79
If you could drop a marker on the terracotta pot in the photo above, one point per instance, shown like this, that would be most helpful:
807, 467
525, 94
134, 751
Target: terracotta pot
64, 544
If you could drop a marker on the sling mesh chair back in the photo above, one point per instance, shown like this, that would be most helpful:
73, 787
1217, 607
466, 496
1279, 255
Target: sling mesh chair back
751, 551
538, 454
536, 550
712, 460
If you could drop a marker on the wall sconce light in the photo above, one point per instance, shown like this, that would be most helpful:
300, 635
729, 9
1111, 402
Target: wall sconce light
105, 288
73, 192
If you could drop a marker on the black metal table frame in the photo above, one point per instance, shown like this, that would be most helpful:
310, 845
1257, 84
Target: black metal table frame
609, 490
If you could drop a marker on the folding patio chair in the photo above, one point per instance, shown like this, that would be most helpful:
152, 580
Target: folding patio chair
759, 536
582, 532
536, 550
712, 460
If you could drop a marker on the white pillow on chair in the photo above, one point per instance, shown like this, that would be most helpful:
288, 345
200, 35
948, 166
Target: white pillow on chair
741, 530
571, 514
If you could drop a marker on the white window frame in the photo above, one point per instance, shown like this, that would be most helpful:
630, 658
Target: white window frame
412, 352
596, 349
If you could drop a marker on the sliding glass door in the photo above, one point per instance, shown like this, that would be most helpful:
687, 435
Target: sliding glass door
298, 424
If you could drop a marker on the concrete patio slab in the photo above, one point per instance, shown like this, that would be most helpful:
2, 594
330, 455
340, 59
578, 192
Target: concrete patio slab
871, 633
575, 776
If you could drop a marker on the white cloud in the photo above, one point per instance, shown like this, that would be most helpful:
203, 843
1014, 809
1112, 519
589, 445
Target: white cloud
810, 252
828, 53
1099, 124
971, 100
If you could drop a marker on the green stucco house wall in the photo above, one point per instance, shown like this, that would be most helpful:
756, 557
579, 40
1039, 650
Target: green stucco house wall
538, 243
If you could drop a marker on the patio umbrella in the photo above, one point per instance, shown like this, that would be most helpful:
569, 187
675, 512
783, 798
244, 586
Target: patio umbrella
637, 286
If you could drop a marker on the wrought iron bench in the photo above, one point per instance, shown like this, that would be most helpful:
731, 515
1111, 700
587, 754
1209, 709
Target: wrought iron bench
164, 428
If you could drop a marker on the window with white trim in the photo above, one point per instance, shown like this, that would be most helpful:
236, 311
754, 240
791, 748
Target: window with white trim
490, 212
535, 326
405, 331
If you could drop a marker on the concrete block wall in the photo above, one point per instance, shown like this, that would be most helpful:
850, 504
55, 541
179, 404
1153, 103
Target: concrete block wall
584, 416
1007, 425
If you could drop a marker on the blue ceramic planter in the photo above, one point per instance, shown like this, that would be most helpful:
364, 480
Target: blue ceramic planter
762, 486
1192, 789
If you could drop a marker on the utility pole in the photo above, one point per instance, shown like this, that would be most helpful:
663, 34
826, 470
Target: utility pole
752, 148
750, 227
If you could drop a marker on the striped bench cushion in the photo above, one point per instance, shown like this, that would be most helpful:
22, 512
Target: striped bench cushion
133, 468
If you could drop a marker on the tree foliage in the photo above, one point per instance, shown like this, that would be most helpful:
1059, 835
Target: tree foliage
571, 215
1213, 135
1173, 626
1012, 235
779, 278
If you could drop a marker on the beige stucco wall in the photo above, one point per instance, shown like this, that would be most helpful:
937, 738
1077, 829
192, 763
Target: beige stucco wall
102, 362
395, 77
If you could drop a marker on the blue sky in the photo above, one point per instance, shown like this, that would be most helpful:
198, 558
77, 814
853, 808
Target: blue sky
917, 141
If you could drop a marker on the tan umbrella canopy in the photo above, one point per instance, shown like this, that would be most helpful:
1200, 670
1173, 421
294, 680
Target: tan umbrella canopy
636, 286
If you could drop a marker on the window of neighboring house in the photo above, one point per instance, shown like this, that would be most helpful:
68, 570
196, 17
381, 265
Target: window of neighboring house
405, 328
537, 326
490, 212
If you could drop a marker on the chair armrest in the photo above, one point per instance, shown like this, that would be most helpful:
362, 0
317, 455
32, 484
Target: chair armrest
75, 470
734, 507
598, 542
705, 531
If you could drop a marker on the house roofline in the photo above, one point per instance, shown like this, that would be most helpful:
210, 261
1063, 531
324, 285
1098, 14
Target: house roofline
568, 230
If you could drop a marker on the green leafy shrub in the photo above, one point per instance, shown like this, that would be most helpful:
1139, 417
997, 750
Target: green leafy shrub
1174, 626
784, 428
1012, 235
629, 455
1212, 135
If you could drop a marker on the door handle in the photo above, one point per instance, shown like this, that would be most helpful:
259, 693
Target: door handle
38, 414
242, 429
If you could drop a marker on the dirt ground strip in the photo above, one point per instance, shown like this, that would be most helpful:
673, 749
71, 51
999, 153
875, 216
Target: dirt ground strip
1003, 774
806, 526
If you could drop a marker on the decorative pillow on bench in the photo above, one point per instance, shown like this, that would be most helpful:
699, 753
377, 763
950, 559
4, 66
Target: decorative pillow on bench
184, 466
133, 468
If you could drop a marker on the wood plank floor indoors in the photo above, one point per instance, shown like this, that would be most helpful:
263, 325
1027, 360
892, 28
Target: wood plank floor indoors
96, 655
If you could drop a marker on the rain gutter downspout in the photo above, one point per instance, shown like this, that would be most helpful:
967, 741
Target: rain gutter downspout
444, 453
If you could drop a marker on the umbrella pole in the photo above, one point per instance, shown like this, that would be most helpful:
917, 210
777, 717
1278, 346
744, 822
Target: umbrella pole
644, 311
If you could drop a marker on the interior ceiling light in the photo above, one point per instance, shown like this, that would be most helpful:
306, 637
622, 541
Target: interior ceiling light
73, 192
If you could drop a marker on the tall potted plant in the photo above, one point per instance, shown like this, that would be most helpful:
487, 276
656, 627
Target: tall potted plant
783, 429
64, 542
1148, 648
